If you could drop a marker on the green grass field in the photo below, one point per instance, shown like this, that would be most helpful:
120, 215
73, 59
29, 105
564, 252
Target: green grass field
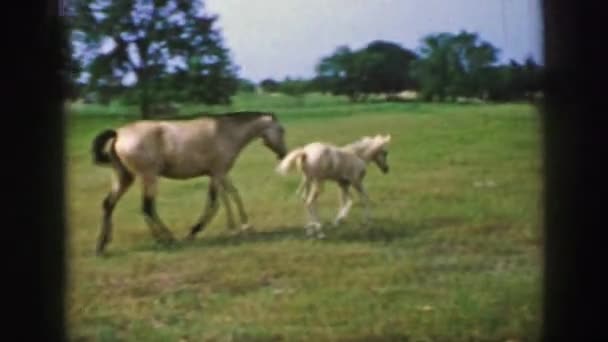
453, 253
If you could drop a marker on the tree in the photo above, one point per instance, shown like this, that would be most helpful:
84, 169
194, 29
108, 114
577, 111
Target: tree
515, 81
294, 87
386, 68
246, 85
269, 85
380, 67
161, 42
336, 73
454, 65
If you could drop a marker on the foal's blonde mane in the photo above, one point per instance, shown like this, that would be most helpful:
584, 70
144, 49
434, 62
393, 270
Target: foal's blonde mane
366, 146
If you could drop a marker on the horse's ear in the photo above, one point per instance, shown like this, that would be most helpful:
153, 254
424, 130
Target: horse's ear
268, 118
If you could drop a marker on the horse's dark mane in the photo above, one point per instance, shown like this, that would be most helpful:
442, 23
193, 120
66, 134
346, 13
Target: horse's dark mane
241, 115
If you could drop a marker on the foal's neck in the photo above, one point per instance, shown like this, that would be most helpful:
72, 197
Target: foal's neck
358, 150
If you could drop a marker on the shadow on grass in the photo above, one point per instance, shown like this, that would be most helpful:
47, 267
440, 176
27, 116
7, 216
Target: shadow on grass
379, 230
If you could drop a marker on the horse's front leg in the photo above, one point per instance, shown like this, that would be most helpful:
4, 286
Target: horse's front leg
234, 193
149, 210
209, 212
226, 202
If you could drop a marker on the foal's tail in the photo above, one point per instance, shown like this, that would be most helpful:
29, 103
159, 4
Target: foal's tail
100, 155
296, 156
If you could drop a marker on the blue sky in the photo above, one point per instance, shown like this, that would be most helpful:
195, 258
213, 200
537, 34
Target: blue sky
279, 38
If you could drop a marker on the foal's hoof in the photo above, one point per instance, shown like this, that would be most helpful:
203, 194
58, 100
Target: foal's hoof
312, 227
338, 222
246, 228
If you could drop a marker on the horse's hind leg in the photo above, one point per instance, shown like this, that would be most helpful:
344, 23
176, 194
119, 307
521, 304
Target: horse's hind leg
149, 210
121, 181
229, 186
209, 212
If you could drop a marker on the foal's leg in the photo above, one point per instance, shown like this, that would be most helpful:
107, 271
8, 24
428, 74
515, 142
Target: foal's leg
303, 188
359, 186
149, 210
229, 186
311, 203
121, 181
209, 212
345, 202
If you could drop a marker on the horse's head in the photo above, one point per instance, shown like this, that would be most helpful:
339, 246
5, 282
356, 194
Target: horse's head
273, 137
379, 152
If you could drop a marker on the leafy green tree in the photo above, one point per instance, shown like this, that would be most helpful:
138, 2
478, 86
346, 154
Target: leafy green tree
246, 85
157, 41
380, 67
269, 85
386, 68
336, 73
453, 65
296, 88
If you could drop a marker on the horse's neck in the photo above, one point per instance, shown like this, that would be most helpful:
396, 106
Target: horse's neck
248, 131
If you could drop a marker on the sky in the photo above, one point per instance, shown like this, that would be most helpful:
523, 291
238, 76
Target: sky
280, 38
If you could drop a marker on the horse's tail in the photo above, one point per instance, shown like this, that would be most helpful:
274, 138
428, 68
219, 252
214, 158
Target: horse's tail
296, 156
100, 155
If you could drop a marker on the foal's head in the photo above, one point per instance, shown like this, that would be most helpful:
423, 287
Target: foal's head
273, 136
378, 151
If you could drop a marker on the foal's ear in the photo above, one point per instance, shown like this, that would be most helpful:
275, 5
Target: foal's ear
383, 139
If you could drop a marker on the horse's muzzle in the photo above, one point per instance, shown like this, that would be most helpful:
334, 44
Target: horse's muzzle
385, 169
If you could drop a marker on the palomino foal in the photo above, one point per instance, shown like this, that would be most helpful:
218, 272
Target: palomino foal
345, 165
181, 149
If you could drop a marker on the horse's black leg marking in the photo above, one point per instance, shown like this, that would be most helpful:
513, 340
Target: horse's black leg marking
149, 210
148, 206
209, 212
106, 228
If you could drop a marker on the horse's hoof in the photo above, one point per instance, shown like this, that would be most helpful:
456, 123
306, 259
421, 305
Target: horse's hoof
169, 239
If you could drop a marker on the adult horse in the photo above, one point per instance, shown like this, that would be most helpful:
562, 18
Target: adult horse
181, 149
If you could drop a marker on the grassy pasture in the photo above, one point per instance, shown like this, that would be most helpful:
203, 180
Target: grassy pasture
453, 253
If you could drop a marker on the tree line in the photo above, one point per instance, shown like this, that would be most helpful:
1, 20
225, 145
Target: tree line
174, 51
